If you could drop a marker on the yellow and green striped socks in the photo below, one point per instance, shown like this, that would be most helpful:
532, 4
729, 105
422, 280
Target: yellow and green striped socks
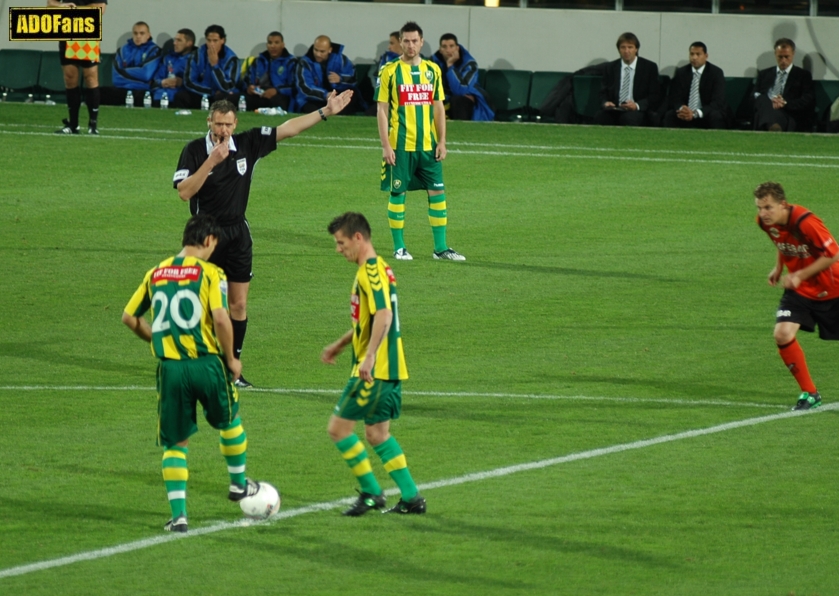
233, 443
353, 452
175, 475
396, 219
397, 467
437, 217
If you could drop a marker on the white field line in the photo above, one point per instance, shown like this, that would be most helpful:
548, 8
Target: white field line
375, 142
476, 477
283, 390
788, 161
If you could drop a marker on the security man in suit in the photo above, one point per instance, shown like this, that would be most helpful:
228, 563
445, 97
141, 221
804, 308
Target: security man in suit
784, 99
630, 90
697, 94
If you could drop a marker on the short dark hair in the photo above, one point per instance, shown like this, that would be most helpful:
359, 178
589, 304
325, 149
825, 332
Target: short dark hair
198, 228
189, 34
784, 42
410, 27
699, 44
143, 23
447, 37
628, 38
215, 29
276, 34
770, 189
222, 106
394, 34
349, 224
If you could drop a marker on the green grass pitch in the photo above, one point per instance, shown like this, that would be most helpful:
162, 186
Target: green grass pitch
615, 292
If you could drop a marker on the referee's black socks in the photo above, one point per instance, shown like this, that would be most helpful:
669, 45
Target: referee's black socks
239, 330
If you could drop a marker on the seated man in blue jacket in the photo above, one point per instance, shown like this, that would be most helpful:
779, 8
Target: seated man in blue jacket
465, 100
322, 70
169, 78
212, 71
270, 79
134, 66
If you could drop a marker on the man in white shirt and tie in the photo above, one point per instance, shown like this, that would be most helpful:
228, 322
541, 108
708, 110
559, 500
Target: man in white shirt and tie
784, 96
697, 94
630, 89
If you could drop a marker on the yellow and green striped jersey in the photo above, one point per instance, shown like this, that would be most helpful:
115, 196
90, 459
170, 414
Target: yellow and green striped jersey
374, 290
410, 92
182, 293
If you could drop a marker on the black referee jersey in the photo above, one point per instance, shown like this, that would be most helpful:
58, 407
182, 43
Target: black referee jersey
226, 190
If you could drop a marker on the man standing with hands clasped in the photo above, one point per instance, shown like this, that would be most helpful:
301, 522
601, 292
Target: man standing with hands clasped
811, 286
214, 174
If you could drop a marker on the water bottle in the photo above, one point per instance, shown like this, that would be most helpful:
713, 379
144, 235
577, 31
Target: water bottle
147, 99
164, 102
205, 102
268, 111
30, 99
5, 96
129, 99
243, 104
48, 100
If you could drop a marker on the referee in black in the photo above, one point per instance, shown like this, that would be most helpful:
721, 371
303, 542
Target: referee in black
214, 175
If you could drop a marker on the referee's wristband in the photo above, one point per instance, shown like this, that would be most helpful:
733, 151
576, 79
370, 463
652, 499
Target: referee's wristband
322, 117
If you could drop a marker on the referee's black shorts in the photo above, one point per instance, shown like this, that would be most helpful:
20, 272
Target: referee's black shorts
234, 252
795, 308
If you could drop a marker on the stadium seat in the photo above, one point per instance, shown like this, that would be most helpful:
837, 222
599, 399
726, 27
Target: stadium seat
541, 84
51, 78
362, 80
106, 70
482, 77
19, 72
508, 91
587, 96
737, 94
826, 93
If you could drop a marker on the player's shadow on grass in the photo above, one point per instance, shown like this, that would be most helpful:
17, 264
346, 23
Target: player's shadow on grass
551, 270
345, 557
36, 351
514, 539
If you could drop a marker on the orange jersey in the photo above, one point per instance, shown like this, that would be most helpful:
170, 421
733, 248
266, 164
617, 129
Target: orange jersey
802, 241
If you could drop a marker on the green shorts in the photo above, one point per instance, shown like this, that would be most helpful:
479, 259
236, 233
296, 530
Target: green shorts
414, 170
182, 385
371, 402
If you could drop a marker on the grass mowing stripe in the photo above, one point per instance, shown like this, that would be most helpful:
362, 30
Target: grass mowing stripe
476, 477
282, 390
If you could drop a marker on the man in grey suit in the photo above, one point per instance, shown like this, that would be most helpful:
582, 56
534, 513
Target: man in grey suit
784, 99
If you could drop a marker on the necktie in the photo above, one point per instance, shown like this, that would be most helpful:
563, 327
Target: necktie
780, 82
693, 101
624, 97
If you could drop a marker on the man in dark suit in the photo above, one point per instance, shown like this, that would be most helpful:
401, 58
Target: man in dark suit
630, 91
785, 99
697, 94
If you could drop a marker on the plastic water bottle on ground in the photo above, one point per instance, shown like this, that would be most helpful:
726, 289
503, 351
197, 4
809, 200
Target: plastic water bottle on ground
183, 112
164, 102
147, 99
243, 104
129, 99
271, 111
48, 100
205, 102
30, 99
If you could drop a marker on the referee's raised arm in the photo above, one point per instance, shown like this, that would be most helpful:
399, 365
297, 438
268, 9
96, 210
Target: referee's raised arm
334, 104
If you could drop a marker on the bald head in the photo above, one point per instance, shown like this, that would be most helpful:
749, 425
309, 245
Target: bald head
322, 48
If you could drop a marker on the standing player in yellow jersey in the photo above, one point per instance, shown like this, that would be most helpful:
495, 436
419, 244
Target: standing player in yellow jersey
412, 129
374, 391
192, 336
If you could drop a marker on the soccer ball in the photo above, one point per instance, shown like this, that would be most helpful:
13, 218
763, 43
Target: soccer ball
262, 505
